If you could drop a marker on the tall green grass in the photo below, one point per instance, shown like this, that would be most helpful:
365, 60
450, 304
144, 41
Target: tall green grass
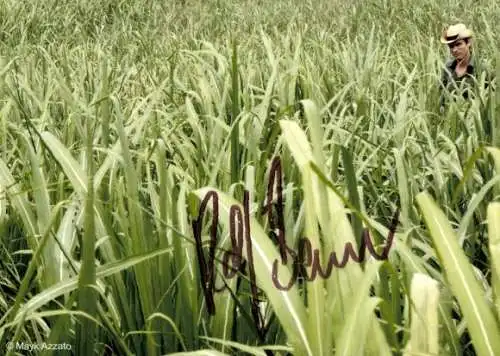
118, 118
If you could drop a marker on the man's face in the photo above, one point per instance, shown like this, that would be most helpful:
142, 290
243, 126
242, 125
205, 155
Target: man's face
459, 49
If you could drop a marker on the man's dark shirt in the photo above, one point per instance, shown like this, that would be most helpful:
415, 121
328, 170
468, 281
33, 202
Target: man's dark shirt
465, 84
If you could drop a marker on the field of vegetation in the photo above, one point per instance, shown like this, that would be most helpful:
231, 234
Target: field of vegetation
118, 119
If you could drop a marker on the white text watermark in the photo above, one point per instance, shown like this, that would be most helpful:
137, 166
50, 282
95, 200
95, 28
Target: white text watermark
26, 346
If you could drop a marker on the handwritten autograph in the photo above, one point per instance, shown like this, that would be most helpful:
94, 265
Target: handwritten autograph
239, 231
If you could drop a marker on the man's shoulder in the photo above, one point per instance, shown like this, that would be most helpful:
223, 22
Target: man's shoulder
483, 68
480, 62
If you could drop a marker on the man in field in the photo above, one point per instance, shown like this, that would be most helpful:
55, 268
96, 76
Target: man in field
463, 71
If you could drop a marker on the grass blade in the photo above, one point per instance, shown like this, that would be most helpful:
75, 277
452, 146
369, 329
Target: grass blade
482, 324
424, 322
494, 247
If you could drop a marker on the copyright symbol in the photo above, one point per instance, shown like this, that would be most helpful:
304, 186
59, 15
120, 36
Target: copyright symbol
10, 345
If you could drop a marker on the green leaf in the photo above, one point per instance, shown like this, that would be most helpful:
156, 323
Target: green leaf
481, 322
353, 338
424, 332
69, 285
493, 214
252, 350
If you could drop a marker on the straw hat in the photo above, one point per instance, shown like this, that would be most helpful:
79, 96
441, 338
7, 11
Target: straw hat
455, 33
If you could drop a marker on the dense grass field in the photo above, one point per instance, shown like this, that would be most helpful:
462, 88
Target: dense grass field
118, 121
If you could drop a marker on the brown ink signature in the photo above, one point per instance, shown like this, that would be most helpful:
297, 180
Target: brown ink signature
239, 231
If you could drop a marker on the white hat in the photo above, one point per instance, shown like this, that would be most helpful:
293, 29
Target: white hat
455, 33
